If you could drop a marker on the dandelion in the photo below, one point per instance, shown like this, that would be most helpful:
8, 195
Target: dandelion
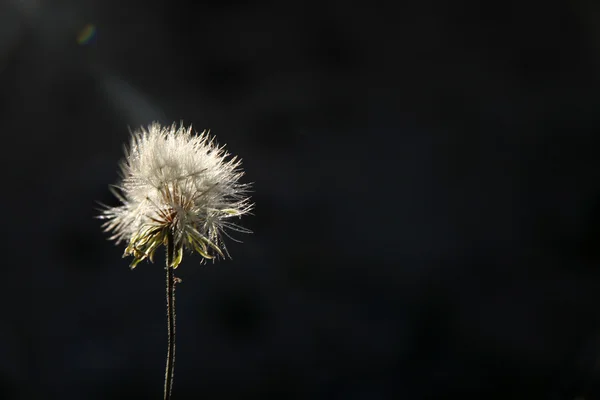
176, 186
179, 190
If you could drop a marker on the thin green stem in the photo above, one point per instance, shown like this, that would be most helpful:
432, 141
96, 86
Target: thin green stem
170, 317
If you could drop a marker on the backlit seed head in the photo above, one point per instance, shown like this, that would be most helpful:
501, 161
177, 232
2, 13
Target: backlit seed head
176, 184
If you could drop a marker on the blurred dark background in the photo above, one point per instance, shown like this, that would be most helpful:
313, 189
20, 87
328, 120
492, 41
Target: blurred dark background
427, 188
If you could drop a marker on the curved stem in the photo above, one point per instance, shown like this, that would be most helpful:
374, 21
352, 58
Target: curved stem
170, 318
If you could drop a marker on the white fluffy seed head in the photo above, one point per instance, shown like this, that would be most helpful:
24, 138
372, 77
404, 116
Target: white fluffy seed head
178, 186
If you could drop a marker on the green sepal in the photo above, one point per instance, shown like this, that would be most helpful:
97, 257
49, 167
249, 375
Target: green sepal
230, 211
178, 257
135, 262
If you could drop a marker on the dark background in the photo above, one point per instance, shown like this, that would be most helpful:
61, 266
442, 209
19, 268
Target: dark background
426, 179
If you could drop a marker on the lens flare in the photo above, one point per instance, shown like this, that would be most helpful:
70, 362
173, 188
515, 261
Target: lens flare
87, 34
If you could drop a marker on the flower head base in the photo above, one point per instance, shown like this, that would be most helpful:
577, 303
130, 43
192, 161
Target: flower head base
176, 186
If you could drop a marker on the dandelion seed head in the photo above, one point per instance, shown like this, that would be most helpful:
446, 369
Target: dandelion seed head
176, 185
